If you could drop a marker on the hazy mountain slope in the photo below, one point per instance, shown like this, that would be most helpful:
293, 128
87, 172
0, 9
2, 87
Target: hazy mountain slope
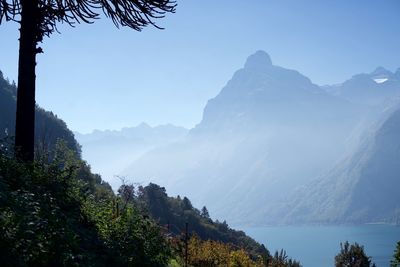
48, 128
269, 130
109, 152
363, 188
369, 88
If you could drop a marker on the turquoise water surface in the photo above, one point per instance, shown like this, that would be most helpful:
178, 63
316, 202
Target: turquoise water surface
316, 246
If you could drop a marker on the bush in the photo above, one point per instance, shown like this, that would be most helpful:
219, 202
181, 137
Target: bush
352, 255
57, 213
395, 262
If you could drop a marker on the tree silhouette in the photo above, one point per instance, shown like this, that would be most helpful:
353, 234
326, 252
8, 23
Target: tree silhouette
395, 262
39, 18
352, 255
204, 213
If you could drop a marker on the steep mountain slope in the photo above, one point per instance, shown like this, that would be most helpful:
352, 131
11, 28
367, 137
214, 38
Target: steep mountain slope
48, 128
109, 152
363, 188
269, 130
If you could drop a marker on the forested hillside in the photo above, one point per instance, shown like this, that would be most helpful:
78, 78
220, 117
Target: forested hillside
60, 214
48, 127
56, 212
174, 213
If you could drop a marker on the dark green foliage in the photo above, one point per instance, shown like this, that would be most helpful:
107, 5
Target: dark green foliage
280, 259
7, 107
48, 128
175, 212
60, 214
204, 213
353, 256
186, 204
41, 223
131, 240
395, 262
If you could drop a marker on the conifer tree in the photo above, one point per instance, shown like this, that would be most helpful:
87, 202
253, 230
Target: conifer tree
352, 255
186, 204
395, 262
204, 213
39, 18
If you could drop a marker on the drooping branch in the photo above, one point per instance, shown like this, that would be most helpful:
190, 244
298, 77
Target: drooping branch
134, 14
10, 10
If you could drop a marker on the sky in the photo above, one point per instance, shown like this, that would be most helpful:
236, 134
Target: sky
100, 77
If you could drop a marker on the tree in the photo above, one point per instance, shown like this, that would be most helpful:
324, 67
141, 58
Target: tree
204, 213
39, 18
352, 255
395, 262
281, 259
186, 204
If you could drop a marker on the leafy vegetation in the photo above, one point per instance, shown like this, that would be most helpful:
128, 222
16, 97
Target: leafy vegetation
352, 255
210, 243
174, 213
395, 262
215, 253
211, 253
55, 212
60, 214
48, 127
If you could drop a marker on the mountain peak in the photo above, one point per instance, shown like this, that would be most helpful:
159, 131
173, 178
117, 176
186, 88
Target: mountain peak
258, 60
381, 71
143, 125
397, 73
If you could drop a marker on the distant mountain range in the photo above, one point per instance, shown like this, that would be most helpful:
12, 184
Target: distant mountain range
267, 133
271, 148
110, 151
369, 88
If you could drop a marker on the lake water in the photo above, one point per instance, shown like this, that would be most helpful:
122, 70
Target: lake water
316, 246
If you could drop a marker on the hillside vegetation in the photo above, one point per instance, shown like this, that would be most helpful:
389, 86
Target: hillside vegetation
48, 127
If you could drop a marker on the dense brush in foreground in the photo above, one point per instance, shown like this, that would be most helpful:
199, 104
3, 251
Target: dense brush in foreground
59, 214
55, 212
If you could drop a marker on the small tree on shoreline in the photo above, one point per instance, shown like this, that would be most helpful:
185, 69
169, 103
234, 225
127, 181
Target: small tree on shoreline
352, 255
395, 262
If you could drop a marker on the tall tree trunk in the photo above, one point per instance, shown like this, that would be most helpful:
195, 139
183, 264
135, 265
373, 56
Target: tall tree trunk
25, 118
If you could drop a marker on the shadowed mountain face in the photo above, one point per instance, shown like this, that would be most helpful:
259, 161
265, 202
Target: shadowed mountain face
362, 188
268, 131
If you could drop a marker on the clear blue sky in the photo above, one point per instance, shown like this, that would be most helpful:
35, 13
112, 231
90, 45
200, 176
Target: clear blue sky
99, 77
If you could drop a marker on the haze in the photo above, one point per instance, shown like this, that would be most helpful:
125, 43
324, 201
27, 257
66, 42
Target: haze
96, 77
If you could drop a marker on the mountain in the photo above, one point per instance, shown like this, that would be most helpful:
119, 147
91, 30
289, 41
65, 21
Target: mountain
363, 188
48, 127
269, 130
369, 88
65, 199
109, 152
